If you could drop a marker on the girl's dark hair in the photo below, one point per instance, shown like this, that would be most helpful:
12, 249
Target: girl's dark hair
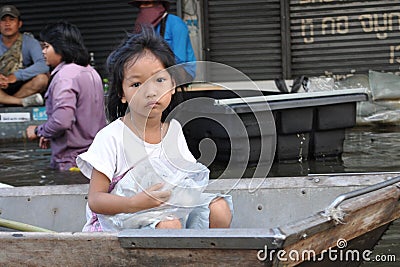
67, 41
132, 47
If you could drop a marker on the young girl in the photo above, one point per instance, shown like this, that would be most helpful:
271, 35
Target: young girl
141, 94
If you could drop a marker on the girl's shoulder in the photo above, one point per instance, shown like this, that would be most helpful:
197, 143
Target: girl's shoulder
113, 130
174, 123
174, 128
113, 127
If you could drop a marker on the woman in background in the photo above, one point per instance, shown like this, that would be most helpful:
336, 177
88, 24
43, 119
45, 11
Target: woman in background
74, 99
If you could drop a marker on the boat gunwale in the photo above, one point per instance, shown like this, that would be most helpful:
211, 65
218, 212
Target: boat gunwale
228, 184
362, 214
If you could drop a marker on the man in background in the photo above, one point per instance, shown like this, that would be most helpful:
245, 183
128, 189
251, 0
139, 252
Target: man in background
172, 28
23, 70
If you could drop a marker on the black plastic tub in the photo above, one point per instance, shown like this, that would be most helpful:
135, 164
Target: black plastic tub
294, 127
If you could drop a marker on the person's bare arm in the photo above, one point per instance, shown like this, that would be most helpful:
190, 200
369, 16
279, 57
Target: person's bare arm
100, 201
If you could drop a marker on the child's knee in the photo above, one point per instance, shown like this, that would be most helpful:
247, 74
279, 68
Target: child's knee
220, 214
170, 224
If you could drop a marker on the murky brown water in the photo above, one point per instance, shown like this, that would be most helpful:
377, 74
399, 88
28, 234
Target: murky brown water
365, 150
24, 163
372, 150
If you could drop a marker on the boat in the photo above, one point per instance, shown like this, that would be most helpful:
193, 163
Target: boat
318, 220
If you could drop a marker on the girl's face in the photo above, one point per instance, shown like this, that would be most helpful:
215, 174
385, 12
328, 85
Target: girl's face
51, 57
147, 86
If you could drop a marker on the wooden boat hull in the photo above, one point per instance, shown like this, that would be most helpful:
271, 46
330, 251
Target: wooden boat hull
280, 214
103, 249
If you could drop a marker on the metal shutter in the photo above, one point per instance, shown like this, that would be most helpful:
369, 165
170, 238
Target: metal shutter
245, 35
265, 39
342, 37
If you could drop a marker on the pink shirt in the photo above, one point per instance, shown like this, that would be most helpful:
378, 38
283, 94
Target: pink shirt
75, 111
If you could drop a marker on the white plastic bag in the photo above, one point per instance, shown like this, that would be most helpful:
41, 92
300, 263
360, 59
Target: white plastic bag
318, 84
186, 183
384, 86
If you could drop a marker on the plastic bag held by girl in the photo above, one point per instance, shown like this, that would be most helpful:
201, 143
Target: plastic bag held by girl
186, 182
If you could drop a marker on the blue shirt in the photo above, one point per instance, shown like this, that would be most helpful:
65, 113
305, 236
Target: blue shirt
32, 58
177, 36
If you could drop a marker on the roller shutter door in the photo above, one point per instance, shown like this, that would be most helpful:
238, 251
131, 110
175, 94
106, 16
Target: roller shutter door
265, 39
245, 35
342, 37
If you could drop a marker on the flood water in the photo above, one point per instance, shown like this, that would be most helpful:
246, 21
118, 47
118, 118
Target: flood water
24, 163
365, 149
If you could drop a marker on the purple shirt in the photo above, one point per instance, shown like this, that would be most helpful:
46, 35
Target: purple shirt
75, 111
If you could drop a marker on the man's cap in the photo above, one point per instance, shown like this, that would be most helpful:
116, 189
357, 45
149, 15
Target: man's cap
9, 10
137, 3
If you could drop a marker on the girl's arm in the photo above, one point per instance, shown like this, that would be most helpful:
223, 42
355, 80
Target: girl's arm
100, 201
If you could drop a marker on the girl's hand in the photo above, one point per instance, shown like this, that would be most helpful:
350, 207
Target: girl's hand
152, 196
100, 201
